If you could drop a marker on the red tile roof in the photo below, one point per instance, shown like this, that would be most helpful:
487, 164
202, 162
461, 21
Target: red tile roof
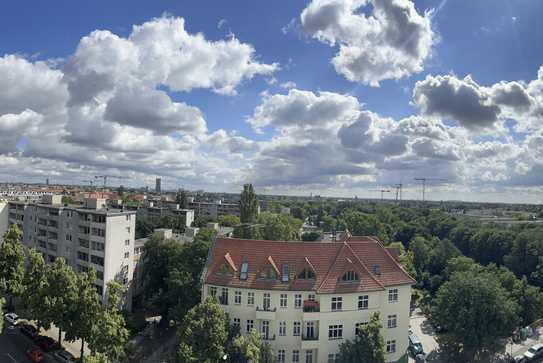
366, 256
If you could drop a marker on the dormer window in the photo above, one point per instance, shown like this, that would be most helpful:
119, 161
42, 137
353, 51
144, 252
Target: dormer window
268, 273
306, 274
377, 270
244, 270
350, 276
224, 270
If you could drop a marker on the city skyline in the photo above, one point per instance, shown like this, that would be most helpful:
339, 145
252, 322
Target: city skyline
337, 98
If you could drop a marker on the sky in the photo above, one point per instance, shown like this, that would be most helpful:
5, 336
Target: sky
330, 97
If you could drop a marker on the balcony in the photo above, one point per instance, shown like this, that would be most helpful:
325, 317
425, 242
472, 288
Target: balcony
268, 337
311, 310
266, 313
310, 344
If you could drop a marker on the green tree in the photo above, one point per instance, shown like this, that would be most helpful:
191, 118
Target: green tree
203, 334
229, 220
248, 204
12, 259
279, 227
85, 310
368, 346
476, 311
311, 236
59, 296
35, 286
109, 333
249, 346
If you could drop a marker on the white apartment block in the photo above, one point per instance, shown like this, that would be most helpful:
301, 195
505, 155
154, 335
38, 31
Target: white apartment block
86, 236
214, 210
308, 298
3, 218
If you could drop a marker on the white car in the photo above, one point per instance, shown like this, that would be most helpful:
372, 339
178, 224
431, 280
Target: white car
534, 352
12, 318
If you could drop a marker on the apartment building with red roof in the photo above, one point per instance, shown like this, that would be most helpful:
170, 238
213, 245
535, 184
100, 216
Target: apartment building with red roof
306, 298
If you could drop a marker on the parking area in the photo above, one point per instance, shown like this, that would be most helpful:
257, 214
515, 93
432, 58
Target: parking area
13, 346
426, 334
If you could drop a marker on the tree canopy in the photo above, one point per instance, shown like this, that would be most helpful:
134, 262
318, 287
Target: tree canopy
368, 346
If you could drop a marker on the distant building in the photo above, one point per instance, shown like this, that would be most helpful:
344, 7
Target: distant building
171, 210
214, 210
306, 298
158, 185
90, 235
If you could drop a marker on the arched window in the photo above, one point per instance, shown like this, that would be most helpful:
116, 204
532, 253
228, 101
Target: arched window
349, 276
306, 274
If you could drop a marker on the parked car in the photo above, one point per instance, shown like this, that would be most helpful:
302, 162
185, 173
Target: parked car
12, 318
64, 356
534, 352
48, 344
28, 330
420, 358
519, 359
415, 346
35, 355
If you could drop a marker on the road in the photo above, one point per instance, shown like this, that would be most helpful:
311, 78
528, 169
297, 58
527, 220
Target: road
13, 346
424, 331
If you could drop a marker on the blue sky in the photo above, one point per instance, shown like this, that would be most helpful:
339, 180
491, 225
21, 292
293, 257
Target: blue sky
493, 41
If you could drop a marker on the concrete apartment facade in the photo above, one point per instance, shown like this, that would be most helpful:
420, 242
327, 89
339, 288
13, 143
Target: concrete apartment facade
167, 210
3, 218
88, 236
308, 298
214, 210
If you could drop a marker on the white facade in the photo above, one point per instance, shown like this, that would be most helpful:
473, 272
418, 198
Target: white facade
85, 237
312, 343
3, 219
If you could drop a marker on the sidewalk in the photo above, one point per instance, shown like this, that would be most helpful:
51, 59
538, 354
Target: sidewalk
519, 348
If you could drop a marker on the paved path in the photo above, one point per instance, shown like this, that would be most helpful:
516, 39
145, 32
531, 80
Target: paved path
422, 328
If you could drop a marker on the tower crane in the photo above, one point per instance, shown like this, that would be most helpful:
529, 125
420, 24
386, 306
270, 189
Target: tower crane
383, 191
398, 188
424, 182
105, 177
91, 182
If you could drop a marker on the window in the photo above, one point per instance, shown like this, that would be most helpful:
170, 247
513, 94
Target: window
237, 297
283, 300
337, 303
281, 356
311, 297
393, 295
236, 322
335, 332
266, 301
358, 327
98, 232
82, 256
391, 346
100, 275
298, 301
306, 274
392, 321
297, 328
97, 246
295, 356
244, 270
282, 328
250, 298
127, 242
68, 237
126, 254
331, 358
250, 325
52, 246
284, 275
97, 260
268, 273
127, 229
363, 302
349, 276
224, 296
308, 356
84, 243
377, 270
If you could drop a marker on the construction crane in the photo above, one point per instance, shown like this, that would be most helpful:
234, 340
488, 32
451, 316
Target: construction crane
424, 181
104, 177
398, 188
383, 191
91, 182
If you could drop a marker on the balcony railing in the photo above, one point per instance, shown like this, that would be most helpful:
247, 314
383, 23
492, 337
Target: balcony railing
311, 306
268, 337
310, 337
266, 308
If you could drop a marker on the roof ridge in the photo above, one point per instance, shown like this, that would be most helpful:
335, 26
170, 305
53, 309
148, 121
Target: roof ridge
365, 267
387, 253
330, 268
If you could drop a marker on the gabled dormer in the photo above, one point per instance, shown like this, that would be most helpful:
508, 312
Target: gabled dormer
227, 267
269, 270
306, 270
